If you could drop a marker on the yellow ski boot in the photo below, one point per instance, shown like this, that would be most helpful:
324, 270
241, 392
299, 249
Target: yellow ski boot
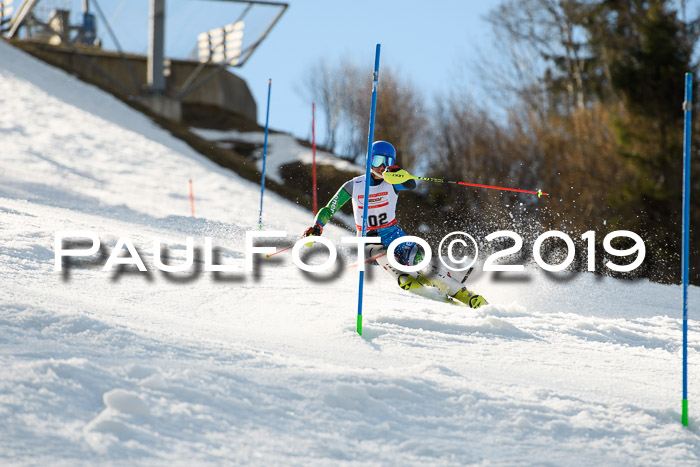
470, 299
408, 282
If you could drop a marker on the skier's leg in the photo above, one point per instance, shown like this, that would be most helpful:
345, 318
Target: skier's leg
410, 253
405, 280
404, 254
439, 277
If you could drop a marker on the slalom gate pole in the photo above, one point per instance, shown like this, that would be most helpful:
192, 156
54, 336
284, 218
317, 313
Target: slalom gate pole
368, 163
313, 149
267, 126
687, 109
191, 198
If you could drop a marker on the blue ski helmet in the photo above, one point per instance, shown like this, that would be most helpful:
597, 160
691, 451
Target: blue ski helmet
383, 153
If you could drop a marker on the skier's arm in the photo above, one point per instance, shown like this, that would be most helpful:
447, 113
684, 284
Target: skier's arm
343, 195
407, 185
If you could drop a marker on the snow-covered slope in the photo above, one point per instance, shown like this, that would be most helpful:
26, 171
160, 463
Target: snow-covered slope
265, 368
284, 149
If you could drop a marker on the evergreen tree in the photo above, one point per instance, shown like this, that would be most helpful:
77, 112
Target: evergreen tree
643, 51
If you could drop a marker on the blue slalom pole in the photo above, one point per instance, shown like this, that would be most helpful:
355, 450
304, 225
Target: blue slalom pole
688, 109
262, 183
368, 163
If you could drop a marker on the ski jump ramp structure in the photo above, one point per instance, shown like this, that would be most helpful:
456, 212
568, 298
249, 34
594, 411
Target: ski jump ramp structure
170, 87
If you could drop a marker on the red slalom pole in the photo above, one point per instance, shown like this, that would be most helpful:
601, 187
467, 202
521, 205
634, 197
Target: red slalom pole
313, 147
191, 198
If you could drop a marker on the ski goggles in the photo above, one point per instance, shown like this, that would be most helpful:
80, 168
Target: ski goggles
386, 161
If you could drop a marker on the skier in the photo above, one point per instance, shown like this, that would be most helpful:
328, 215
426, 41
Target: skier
381, 222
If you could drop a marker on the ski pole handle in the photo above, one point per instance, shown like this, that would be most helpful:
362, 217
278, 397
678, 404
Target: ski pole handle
399, 177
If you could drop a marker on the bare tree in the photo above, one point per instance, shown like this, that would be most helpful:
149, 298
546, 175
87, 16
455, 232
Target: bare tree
551, 33
469, 145
401, 118
321, 86
344, 96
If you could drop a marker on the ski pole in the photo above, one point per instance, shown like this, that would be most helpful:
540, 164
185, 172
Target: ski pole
401, 176
278, 252
368, 260
307, 245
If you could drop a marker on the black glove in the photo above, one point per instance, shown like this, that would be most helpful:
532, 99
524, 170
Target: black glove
315, 229
393, 168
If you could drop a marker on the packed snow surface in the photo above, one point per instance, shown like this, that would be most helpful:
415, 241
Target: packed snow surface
265, 367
